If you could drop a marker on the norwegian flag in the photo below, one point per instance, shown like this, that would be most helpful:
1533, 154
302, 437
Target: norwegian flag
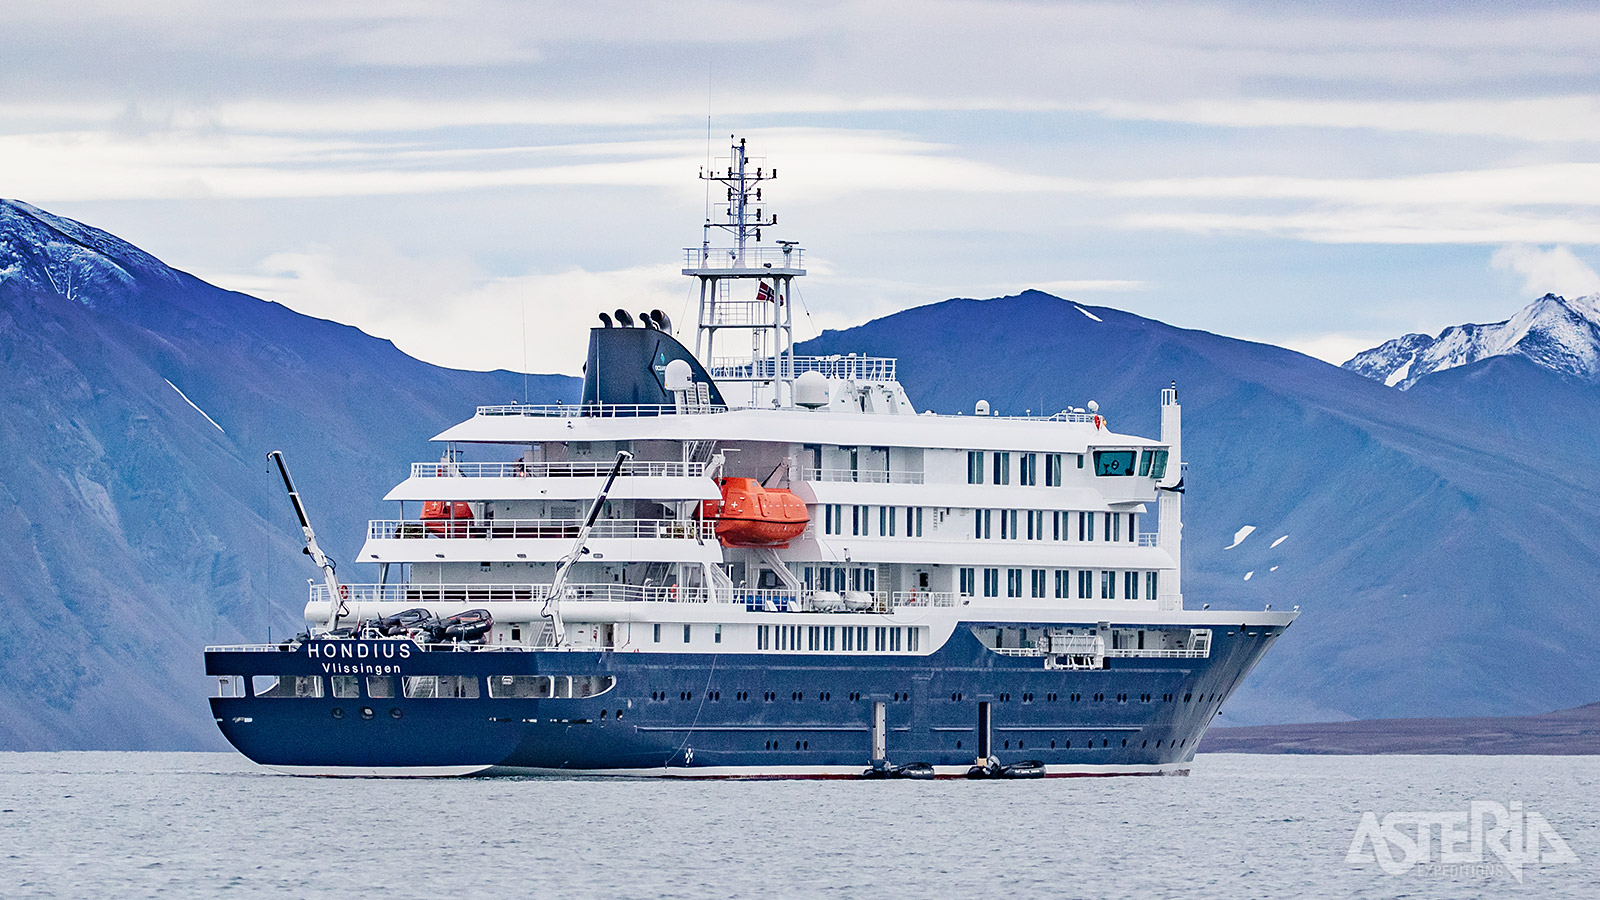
765, 293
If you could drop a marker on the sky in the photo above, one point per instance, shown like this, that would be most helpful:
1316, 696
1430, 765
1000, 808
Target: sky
475, 180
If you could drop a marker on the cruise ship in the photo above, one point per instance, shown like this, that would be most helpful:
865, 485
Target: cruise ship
735, 561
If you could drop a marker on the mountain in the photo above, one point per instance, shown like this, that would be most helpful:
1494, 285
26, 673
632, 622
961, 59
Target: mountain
1444, 560
138, 512
1564, 732
1559, 334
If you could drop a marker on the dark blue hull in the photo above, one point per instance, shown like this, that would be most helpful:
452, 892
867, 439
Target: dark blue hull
733, 715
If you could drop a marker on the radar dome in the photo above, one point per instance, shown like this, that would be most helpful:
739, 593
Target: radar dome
678, 376
811, 390
982, 409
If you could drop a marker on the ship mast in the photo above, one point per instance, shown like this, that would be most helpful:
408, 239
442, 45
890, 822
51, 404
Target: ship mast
745, 288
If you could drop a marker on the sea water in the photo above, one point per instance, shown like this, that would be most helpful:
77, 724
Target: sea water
179, 825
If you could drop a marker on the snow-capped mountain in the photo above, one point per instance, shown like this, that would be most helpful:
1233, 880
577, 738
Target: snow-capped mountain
1554, 332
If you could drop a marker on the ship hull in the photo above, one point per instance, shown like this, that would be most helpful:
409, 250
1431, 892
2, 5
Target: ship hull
743, 715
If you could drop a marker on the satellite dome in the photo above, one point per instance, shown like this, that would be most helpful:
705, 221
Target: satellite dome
679, 376
811, 390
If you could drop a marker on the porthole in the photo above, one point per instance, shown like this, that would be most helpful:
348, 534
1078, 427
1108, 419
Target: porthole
366, 712
958, 745
395, 713
338, 713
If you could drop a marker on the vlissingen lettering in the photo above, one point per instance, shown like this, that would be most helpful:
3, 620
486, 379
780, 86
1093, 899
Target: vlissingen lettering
358, 650
1512, 837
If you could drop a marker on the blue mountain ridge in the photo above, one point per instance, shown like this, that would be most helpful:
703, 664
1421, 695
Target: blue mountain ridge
1440, 540
136, 530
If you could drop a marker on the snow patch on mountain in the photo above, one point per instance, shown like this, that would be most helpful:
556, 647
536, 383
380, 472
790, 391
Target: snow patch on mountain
1553, 332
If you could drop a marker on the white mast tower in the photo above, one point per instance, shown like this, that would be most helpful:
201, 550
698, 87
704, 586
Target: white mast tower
745, 289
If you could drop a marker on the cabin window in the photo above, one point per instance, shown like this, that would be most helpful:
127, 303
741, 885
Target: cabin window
716, 634
1113, 462
1052, 470
974, 467
849, 639
346, 687
1085, 584
886, 521
1063, 584
914, 522
1002, 467
380, 687
894, 640
1080, 459
464, 687
911, 639
1130, 586
814, 637
879, 638
1108, 585
1013, 582
520, 687
761, 637
686, 630
991, 582
827, 638
1133, 527
657, 628
1039, 580
1149, 585
968, 581
1029, 474
1113, 526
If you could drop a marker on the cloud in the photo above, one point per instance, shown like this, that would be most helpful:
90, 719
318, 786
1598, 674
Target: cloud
448, 312
1554, 271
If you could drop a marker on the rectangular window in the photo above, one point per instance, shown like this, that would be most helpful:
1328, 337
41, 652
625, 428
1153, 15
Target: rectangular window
884, 514
1149, 585
1052, 470
346, 687
761, 637
1113, 526
969, 581
857, 513
1113, 462
911, 639
814, 637
658, 633
1039, 580
1002, 467
1130, 585
827, 637
716, 635
686, 633
1080, 459
1144, 462
380, 687
991, 582
894, 640
1158, 468
1013, 582
1133, 527
914, 521
982, 520
879, 638
1085, 584
974, 467
1108, 585
1029, 476
849, 638
861, 639
1056, 518
1063, 584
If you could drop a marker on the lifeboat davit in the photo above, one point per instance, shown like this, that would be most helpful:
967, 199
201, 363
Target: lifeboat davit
446, 517
749, 515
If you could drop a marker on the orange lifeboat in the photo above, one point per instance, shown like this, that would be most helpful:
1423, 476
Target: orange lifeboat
749, 515
445, 518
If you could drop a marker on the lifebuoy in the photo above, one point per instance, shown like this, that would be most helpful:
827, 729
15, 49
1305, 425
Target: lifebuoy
344, 592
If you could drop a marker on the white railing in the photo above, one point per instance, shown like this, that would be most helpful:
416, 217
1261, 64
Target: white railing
923, 598
865, 476
854, 368
753, 258
508, 593
523, 529
519, 469
1151, 539
595, 410
1161, 654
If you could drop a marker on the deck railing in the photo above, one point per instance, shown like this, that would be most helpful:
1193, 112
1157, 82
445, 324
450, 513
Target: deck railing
523, 529
864, 476
751, 258
520, 469
596, 410
508, 593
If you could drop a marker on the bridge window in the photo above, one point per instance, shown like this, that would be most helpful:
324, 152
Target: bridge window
1113, 462
1158, 468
